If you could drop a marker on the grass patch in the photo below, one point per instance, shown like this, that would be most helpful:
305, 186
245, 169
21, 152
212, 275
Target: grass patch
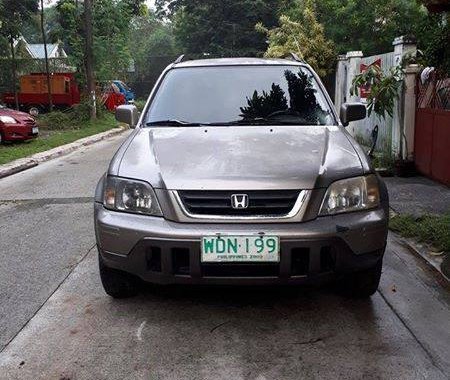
383, 160
52, 138
431, 229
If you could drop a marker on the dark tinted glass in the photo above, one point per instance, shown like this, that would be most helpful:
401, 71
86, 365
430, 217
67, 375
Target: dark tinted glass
214, 95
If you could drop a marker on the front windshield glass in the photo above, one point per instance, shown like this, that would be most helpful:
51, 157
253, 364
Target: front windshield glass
235, 94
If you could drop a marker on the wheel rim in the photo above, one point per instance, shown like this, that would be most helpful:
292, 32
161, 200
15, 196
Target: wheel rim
33, 111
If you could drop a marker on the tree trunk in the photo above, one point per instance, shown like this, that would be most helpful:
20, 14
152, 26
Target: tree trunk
44, 40
14, 73
89, 57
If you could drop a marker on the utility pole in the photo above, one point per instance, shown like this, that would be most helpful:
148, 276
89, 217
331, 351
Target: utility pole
14, 72
44, 39
89, 56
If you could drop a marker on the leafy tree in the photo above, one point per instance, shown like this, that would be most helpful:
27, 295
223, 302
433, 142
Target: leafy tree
220, 28
13, 15
149, 38
303, 34
433, 40
111, 31
31, 29
69, 29
370, 26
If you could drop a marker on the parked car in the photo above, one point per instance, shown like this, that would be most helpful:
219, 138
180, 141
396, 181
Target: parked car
239, 171
16, 125
125, 90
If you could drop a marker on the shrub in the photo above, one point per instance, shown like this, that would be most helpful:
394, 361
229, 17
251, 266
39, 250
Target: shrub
140, 104
55, 120
72, 118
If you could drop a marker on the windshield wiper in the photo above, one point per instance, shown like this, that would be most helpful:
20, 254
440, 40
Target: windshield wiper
173, 123
248, 121
270, 120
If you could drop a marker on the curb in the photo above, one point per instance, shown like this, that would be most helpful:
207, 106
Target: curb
423, 256
22, 164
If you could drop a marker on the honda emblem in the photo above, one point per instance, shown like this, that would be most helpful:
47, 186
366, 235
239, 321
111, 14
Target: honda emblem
239, 201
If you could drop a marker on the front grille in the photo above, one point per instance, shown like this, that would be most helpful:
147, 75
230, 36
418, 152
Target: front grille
260, 203
30, 122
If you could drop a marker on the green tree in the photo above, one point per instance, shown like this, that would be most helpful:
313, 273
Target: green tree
149, 37
220, 28
13, 15
31, 29
433, 40
370, 26
302, 34
112, 20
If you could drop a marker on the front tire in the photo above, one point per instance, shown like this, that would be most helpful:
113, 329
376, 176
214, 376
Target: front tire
117, 283
363, 284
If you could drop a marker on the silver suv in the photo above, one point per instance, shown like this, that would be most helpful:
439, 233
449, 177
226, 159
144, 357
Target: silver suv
239, 171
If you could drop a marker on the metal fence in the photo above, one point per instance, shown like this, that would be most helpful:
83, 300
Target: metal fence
433, 91
432, 129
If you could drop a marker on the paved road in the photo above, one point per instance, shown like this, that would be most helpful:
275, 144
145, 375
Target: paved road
56, 322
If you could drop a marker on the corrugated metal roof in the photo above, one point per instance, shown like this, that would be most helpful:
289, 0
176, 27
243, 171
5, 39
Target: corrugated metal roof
38, 50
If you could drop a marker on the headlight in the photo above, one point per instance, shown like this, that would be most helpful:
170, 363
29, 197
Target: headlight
128, 195
351, 194
8, 120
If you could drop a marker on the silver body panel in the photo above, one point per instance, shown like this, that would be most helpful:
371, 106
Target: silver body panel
240, 158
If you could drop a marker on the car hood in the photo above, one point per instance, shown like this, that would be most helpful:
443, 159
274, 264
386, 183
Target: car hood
18, 115
234, 158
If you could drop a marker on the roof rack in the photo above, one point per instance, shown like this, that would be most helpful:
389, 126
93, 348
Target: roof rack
179, 59
295, 57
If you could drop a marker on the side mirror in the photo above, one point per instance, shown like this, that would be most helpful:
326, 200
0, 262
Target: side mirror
352, 112
127, 114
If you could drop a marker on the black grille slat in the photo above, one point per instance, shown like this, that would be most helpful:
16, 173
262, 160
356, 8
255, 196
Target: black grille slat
261, 203
30, 123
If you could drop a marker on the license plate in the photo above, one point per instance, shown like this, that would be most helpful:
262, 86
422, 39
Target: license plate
218, 249
35, 130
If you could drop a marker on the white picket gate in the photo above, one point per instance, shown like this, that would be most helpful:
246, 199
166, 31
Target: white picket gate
349, 65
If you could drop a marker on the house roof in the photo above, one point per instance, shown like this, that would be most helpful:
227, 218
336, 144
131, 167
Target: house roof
37, 50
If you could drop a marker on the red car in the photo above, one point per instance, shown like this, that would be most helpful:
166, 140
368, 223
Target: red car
16, 125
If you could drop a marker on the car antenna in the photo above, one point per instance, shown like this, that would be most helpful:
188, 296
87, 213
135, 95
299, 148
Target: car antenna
179, 59
295, 57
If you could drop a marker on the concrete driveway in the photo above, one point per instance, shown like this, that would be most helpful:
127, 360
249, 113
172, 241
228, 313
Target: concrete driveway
57, 323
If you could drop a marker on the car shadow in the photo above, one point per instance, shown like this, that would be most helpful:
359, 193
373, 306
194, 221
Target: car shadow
252, 296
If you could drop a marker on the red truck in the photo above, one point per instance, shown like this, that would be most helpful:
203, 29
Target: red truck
33, 94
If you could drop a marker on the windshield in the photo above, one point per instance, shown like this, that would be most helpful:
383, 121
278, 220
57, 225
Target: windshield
236, 94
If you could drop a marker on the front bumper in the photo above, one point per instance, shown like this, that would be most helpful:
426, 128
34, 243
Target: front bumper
165, 252
18, 132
